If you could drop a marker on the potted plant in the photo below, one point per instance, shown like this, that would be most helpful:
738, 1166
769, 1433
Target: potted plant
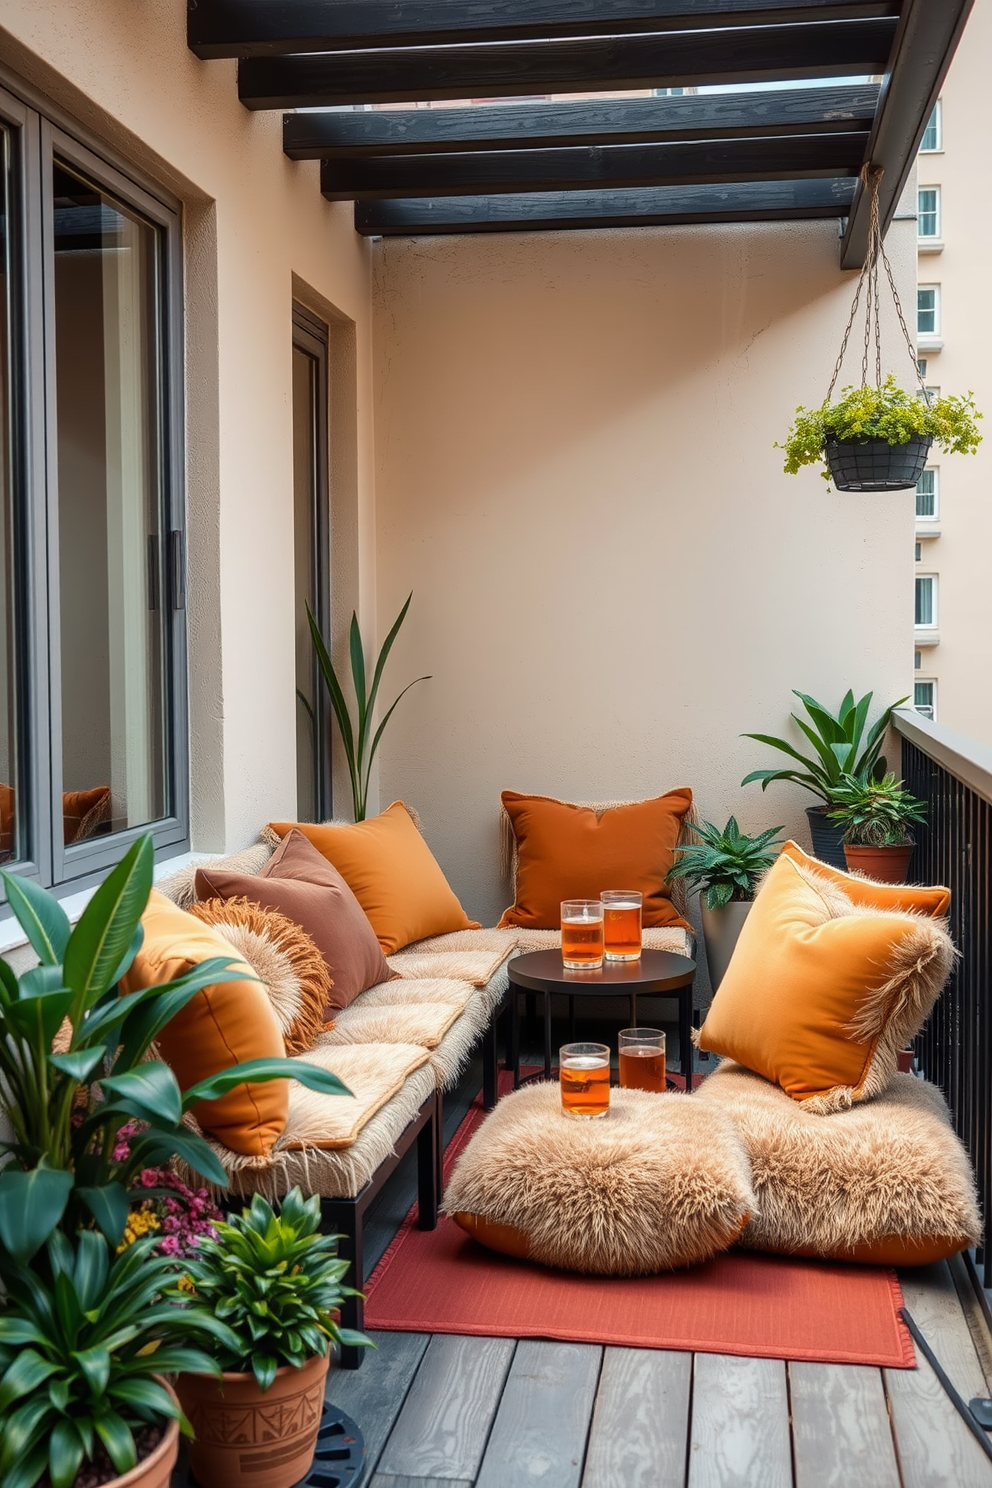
843, 744
725, 866
878, 438
875, 817
84, 1343
275, 1281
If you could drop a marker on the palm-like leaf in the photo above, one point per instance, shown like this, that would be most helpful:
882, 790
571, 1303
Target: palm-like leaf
840, 744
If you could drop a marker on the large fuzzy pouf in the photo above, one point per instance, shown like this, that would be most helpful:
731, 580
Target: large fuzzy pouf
886, 1181
662, 1181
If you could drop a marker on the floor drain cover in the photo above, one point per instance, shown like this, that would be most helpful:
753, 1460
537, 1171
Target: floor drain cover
339, 1460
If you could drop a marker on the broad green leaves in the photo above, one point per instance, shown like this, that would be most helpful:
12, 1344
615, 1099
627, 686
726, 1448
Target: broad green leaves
725, 863
840, 745
31, 1205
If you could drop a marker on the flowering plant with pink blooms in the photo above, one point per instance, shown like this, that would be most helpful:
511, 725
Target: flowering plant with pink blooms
179, 1215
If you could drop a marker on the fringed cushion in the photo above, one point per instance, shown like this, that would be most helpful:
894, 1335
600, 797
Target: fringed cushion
180, 886
374, 1073
286, 960
886, 1182
476, 967
423, 1023
661, 1182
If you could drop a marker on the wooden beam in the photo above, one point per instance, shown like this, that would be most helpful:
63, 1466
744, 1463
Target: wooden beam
261, 28
342, 134
606, 166
925, 42
510, 69
766, 201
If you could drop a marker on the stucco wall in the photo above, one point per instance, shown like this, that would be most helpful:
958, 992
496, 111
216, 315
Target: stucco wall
612, 576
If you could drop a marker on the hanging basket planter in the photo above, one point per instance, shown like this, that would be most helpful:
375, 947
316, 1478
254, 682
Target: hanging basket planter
876, 465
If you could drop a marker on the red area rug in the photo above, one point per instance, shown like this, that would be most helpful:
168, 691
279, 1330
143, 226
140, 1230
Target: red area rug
440, 1281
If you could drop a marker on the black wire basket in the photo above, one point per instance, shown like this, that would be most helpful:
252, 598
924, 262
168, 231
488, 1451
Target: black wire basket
874, 465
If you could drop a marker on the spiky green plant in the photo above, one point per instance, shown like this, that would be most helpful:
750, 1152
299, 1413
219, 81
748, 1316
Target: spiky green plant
725, 864
842, 743
875, 813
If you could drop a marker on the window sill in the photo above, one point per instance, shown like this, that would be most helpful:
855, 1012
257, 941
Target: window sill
929, 245
925, 638
922, 533
929, 343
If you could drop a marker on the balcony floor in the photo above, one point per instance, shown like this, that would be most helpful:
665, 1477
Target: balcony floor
444, 1411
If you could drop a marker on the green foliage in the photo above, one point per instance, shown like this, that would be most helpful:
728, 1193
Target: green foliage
80, 1350
66, 1110
888, 413
875, 813
360, 743
276, 1281
842, 744
724, 865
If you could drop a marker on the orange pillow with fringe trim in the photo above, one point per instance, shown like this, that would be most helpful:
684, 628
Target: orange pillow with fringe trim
822, 993
222, 1025
933, 900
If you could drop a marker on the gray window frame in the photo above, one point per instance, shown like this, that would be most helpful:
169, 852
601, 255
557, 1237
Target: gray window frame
40, 135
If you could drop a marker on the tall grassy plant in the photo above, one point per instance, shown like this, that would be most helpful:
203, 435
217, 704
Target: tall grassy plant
843, 744
360, 743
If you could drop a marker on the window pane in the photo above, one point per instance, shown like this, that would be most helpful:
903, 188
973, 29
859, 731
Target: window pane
109, 382
11, 793
926, 311
927, 222
926, 494
924, 601
305, 480
923, 698
931, 135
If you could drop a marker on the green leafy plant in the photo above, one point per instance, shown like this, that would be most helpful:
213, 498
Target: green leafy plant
888, 413
359, 742
843, 745
275, 1280
875, 813
64, 1165
80, 1356
725, 864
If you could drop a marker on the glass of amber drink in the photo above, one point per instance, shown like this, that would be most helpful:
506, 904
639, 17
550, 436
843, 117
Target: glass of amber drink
621, 924
642, 1059
584, 1075
582, 934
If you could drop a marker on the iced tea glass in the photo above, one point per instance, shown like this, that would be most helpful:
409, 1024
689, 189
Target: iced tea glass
582, 934
621, 924
584, 1076
642, 1059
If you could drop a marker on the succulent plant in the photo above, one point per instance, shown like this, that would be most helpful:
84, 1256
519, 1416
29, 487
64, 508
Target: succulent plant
725, 864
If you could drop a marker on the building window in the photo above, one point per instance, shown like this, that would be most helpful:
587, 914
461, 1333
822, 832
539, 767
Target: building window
928, 310
92, 636
925, 699
926, 601
919, 552
933, 134
927, 494
921, 367
670, 92
310, 491
928, 212
917, 660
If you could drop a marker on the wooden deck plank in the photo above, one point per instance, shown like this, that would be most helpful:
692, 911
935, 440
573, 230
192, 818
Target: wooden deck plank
373, 1395
936, 1449
739, 1436
539, 1435
444, 1424
641, 1420
390, 1480
841, 1433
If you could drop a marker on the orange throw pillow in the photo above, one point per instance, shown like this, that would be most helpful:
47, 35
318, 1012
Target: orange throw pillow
392, 873
84, 810
220, 1026
822, 993
8, 819
575, 852
934, 901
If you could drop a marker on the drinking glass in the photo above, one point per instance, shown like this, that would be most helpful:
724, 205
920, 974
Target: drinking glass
642, 1059
582, 933
621, 924
584, 1074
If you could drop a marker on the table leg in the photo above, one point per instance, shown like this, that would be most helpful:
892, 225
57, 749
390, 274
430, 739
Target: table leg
515, 1035
685, 1034
547, 1035
633, 1010
571, 1019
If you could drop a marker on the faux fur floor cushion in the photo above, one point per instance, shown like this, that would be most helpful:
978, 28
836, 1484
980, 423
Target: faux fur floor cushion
284, 957
660, 1182
887, 1181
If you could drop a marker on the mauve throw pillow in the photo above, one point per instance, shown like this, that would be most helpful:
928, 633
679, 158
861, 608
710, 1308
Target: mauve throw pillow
300, 883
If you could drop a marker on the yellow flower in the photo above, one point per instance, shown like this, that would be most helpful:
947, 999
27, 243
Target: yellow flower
139, 1222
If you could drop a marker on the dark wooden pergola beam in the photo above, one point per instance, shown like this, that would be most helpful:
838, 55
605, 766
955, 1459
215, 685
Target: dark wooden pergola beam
340, 134
584, 167
263, 28
663, 206
602, 64
928, 34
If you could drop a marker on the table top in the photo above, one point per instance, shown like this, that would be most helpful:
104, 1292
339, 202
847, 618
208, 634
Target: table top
656, 971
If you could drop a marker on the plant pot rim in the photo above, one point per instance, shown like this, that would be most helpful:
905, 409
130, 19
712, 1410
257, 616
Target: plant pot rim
155, 1457
879, 846
236, 1377
891, 443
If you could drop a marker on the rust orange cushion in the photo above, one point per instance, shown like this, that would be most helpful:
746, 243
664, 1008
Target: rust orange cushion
82, 811
222, 1025
575, 852
822, 993
392, 873
935, 901
8, 819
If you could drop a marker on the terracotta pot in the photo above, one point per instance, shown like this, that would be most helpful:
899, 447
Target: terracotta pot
245, 1435
155, 1470
885, 864
721, 928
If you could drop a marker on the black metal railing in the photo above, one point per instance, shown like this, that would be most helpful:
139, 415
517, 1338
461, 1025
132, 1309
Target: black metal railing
955, 848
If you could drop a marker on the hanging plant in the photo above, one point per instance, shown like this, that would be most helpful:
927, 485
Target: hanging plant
876, 437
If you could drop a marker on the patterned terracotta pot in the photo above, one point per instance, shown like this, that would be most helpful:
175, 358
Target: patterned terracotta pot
884, 864
155, 1470
246, 1436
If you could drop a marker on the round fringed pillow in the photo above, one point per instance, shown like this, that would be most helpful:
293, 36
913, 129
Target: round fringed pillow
284, 957
661, 1182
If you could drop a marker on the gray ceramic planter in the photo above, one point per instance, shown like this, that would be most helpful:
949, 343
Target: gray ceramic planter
721, 928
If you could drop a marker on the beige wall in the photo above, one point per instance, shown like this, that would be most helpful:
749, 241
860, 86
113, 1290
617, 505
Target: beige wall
256, 229
612, 576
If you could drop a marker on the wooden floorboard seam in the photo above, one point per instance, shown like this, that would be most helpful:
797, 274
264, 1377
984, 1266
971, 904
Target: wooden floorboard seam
892, 1428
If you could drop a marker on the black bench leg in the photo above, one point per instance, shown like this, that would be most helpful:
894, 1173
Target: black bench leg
343, 1217
490, 1066
428, 1176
